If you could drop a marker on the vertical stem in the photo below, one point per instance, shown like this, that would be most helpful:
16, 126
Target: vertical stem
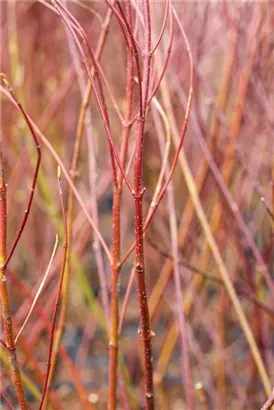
138, 192
145, 331
113, 336
140, 277
116, 233
4, 295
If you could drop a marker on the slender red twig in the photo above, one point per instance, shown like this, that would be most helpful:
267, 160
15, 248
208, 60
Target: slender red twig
3, 343
16, 375
6, 401
34, 180
162, 28
66, 175
169, 48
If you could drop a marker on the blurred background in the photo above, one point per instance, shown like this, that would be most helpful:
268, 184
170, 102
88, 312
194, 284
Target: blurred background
220, 203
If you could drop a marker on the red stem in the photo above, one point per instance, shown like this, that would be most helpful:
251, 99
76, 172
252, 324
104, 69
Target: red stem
157, 85
163, 27
66, 175
27, 211
145, 330
6, 401
116, 234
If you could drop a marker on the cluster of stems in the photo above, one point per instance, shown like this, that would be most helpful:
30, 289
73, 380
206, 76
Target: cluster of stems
134, 125
139, 60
